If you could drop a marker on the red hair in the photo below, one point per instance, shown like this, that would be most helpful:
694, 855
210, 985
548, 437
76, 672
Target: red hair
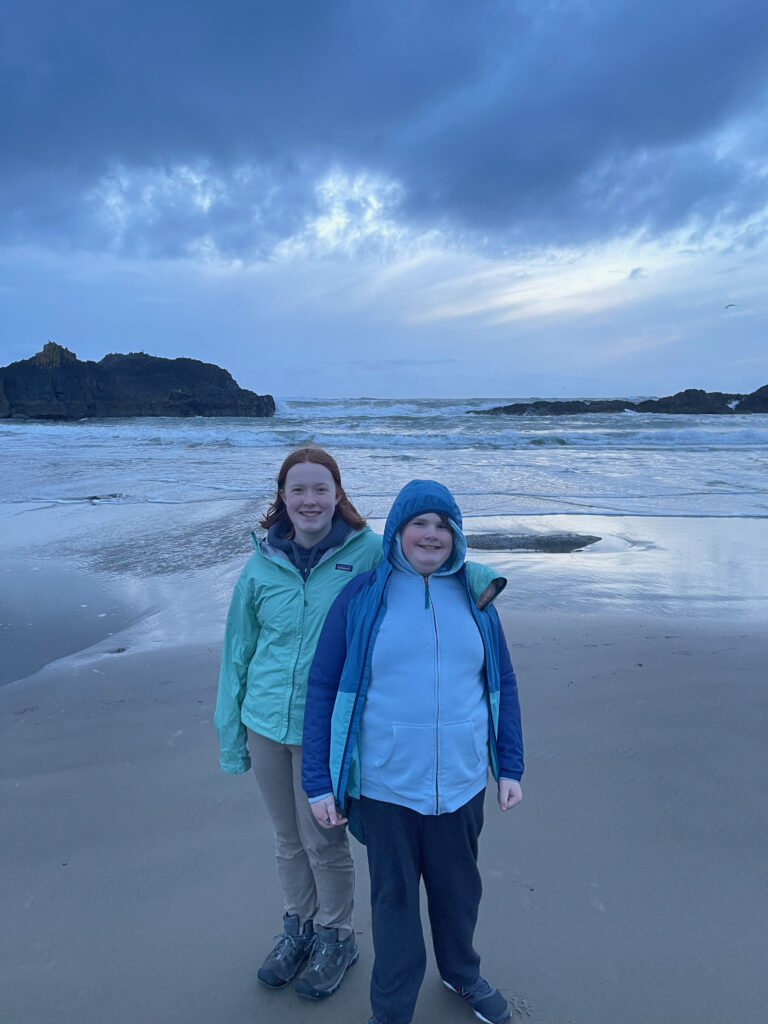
276, 513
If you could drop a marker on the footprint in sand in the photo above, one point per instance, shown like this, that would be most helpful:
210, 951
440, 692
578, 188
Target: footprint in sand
592, 897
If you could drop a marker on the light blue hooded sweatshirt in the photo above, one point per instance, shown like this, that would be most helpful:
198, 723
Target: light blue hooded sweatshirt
424, 727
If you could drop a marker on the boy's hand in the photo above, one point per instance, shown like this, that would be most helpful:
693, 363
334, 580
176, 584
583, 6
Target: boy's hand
326, 814
510, 794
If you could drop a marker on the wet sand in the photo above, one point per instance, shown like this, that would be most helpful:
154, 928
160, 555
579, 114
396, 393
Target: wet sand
628, 888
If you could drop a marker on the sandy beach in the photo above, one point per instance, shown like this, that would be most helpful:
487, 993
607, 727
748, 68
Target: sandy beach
138, 880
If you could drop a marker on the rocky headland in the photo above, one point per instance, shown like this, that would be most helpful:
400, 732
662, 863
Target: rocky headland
692, 402
56, 385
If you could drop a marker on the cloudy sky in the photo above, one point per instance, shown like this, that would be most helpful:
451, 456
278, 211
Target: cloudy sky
392, 198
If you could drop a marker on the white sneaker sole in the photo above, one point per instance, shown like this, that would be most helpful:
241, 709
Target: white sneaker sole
477, 1013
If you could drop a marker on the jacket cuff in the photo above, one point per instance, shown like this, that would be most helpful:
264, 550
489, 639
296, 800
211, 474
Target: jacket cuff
235, 765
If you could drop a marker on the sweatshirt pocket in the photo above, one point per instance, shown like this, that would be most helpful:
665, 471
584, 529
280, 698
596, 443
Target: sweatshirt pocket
463, 756
406, 764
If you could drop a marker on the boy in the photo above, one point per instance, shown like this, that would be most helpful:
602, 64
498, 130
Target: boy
411, 698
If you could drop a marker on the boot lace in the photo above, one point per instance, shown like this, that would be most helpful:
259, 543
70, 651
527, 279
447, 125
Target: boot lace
286, 945
323, 954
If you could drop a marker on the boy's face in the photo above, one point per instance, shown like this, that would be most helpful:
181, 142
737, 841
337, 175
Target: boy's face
427, 542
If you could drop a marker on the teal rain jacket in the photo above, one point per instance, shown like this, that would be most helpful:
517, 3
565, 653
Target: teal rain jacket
273, 626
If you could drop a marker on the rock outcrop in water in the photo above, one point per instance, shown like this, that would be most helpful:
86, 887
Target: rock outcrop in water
692, 401
550, 542
56, 385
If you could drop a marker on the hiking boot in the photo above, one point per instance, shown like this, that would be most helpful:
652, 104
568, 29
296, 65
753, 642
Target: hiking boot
287, 958
487, 1002
331, 956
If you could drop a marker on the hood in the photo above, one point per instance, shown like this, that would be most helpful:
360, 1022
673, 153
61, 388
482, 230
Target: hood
423, 496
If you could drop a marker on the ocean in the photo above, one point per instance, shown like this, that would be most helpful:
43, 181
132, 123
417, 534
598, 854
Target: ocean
149, 511
624, 464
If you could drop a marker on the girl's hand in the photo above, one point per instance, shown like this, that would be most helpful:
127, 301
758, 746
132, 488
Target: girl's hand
326, 814
510, 794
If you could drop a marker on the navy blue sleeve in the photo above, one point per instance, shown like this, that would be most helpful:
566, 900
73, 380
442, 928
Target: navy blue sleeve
322, 687
510, 735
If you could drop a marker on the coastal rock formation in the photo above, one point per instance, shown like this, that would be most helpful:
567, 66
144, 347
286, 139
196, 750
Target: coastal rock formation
549, 542
56, 385
692, 401
756, 402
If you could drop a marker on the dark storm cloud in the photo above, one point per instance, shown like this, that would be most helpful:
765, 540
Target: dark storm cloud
536, 120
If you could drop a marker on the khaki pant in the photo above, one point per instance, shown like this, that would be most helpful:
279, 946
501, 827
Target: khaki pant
314, 864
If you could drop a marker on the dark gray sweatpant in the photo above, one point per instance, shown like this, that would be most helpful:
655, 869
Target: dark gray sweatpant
404, 846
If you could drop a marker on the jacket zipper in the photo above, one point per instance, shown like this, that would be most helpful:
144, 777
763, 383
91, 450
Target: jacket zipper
491, 725
288, 565
429, 604
299, 646
344, 762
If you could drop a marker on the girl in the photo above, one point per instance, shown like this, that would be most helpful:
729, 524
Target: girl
411, 697
316, 542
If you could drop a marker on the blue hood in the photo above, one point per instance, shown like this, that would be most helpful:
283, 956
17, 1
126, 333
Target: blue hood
417, 497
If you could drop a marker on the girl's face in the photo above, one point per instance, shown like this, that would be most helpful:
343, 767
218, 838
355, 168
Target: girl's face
427, 542
310, 501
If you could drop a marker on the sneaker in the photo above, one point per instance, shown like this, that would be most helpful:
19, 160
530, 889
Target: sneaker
331, 956
287, 958
487, 1002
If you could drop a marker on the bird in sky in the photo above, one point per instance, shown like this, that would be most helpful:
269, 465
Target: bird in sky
731, 305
